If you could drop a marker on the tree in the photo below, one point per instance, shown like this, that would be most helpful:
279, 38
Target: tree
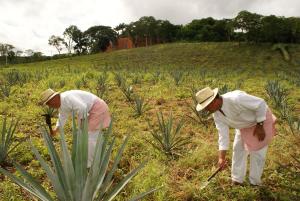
5, 49
57, 42
75, 40
11, 55
99, 38
29, 52
166, 31
249, 24
37, 54
145, 28
199, 30
293, 24
121, 29
19, 53
70, 36
223, 30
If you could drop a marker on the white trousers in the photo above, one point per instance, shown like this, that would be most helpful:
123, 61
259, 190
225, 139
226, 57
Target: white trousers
239, 161
92, 141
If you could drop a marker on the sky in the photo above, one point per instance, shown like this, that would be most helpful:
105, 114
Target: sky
28, 24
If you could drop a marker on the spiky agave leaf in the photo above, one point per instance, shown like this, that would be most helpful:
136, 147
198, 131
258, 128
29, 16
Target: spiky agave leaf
69, 174
7, 138
139, 105
167, 137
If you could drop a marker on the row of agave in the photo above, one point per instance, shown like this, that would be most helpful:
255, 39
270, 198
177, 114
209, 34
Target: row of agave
138, 103
68, 173
166, 135
279, 96
8, 140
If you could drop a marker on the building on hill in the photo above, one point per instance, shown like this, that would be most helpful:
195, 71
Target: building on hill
124, 43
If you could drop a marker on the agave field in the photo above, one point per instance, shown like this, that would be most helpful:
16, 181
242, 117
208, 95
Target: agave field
158, 146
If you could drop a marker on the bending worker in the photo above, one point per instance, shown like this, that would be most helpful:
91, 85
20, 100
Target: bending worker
81, 102
254, 129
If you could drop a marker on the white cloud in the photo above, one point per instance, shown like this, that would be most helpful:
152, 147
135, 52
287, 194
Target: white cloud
28, 24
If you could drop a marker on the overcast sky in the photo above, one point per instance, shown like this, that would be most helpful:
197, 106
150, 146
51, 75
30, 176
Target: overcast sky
28, 24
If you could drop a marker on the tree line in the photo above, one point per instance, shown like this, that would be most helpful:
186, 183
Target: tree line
245, 27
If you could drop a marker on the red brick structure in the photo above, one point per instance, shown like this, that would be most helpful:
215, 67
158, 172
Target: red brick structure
124, 43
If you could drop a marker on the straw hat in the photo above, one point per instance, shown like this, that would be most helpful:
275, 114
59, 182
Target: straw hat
47, 95
205, 96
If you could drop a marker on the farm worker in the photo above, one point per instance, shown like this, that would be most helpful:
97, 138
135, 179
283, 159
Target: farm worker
254, 126
81, 102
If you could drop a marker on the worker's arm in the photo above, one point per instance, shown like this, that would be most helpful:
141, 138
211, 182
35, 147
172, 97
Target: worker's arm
223, 131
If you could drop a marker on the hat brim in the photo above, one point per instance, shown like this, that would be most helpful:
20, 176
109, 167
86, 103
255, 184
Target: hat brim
50, 97
203, 105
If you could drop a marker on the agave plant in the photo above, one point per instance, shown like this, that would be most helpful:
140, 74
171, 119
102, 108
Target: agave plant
78, 84
139, 105
6, 90
137, 79
119, 79
156, 77
13, 77
51, 84
200, 117
7, 139
276, 92
177, 76
167, 137
68, 173
62, 83
84, 81
127, 91
101, 85
223, 89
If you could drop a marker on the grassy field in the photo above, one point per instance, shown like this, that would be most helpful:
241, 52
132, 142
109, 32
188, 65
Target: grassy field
166, 77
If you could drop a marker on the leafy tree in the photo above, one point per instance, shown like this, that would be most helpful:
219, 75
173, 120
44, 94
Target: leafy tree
121, 29
5, 49
99, 38
29, 52
294, 23
249, 24
70, 35
57, 42
223, 30
145, 27
166, 31
37, 54
11, 55
19, 53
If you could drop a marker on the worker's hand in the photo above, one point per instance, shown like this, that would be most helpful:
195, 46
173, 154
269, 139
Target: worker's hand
222, 163
222, 159
54, 131
259, 132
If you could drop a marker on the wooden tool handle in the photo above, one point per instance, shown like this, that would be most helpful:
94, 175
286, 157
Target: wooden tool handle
214, 174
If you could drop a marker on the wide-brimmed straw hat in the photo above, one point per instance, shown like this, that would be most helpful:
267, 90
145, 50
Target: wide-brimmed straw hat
205, 96
47, 95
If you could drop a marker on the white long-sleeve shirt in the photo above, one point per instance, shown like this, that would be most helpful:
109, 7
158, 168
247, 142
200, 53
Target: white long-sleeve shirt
242, 111
79, 101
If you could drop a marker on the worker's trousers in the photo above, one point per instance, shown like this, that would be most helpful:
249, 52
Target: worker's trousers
98, 119
92, 141
239, 161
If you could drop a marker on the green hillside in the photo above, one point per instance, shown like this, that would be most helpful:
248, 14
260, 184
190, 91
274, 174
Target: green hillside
185, 54
166, 76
